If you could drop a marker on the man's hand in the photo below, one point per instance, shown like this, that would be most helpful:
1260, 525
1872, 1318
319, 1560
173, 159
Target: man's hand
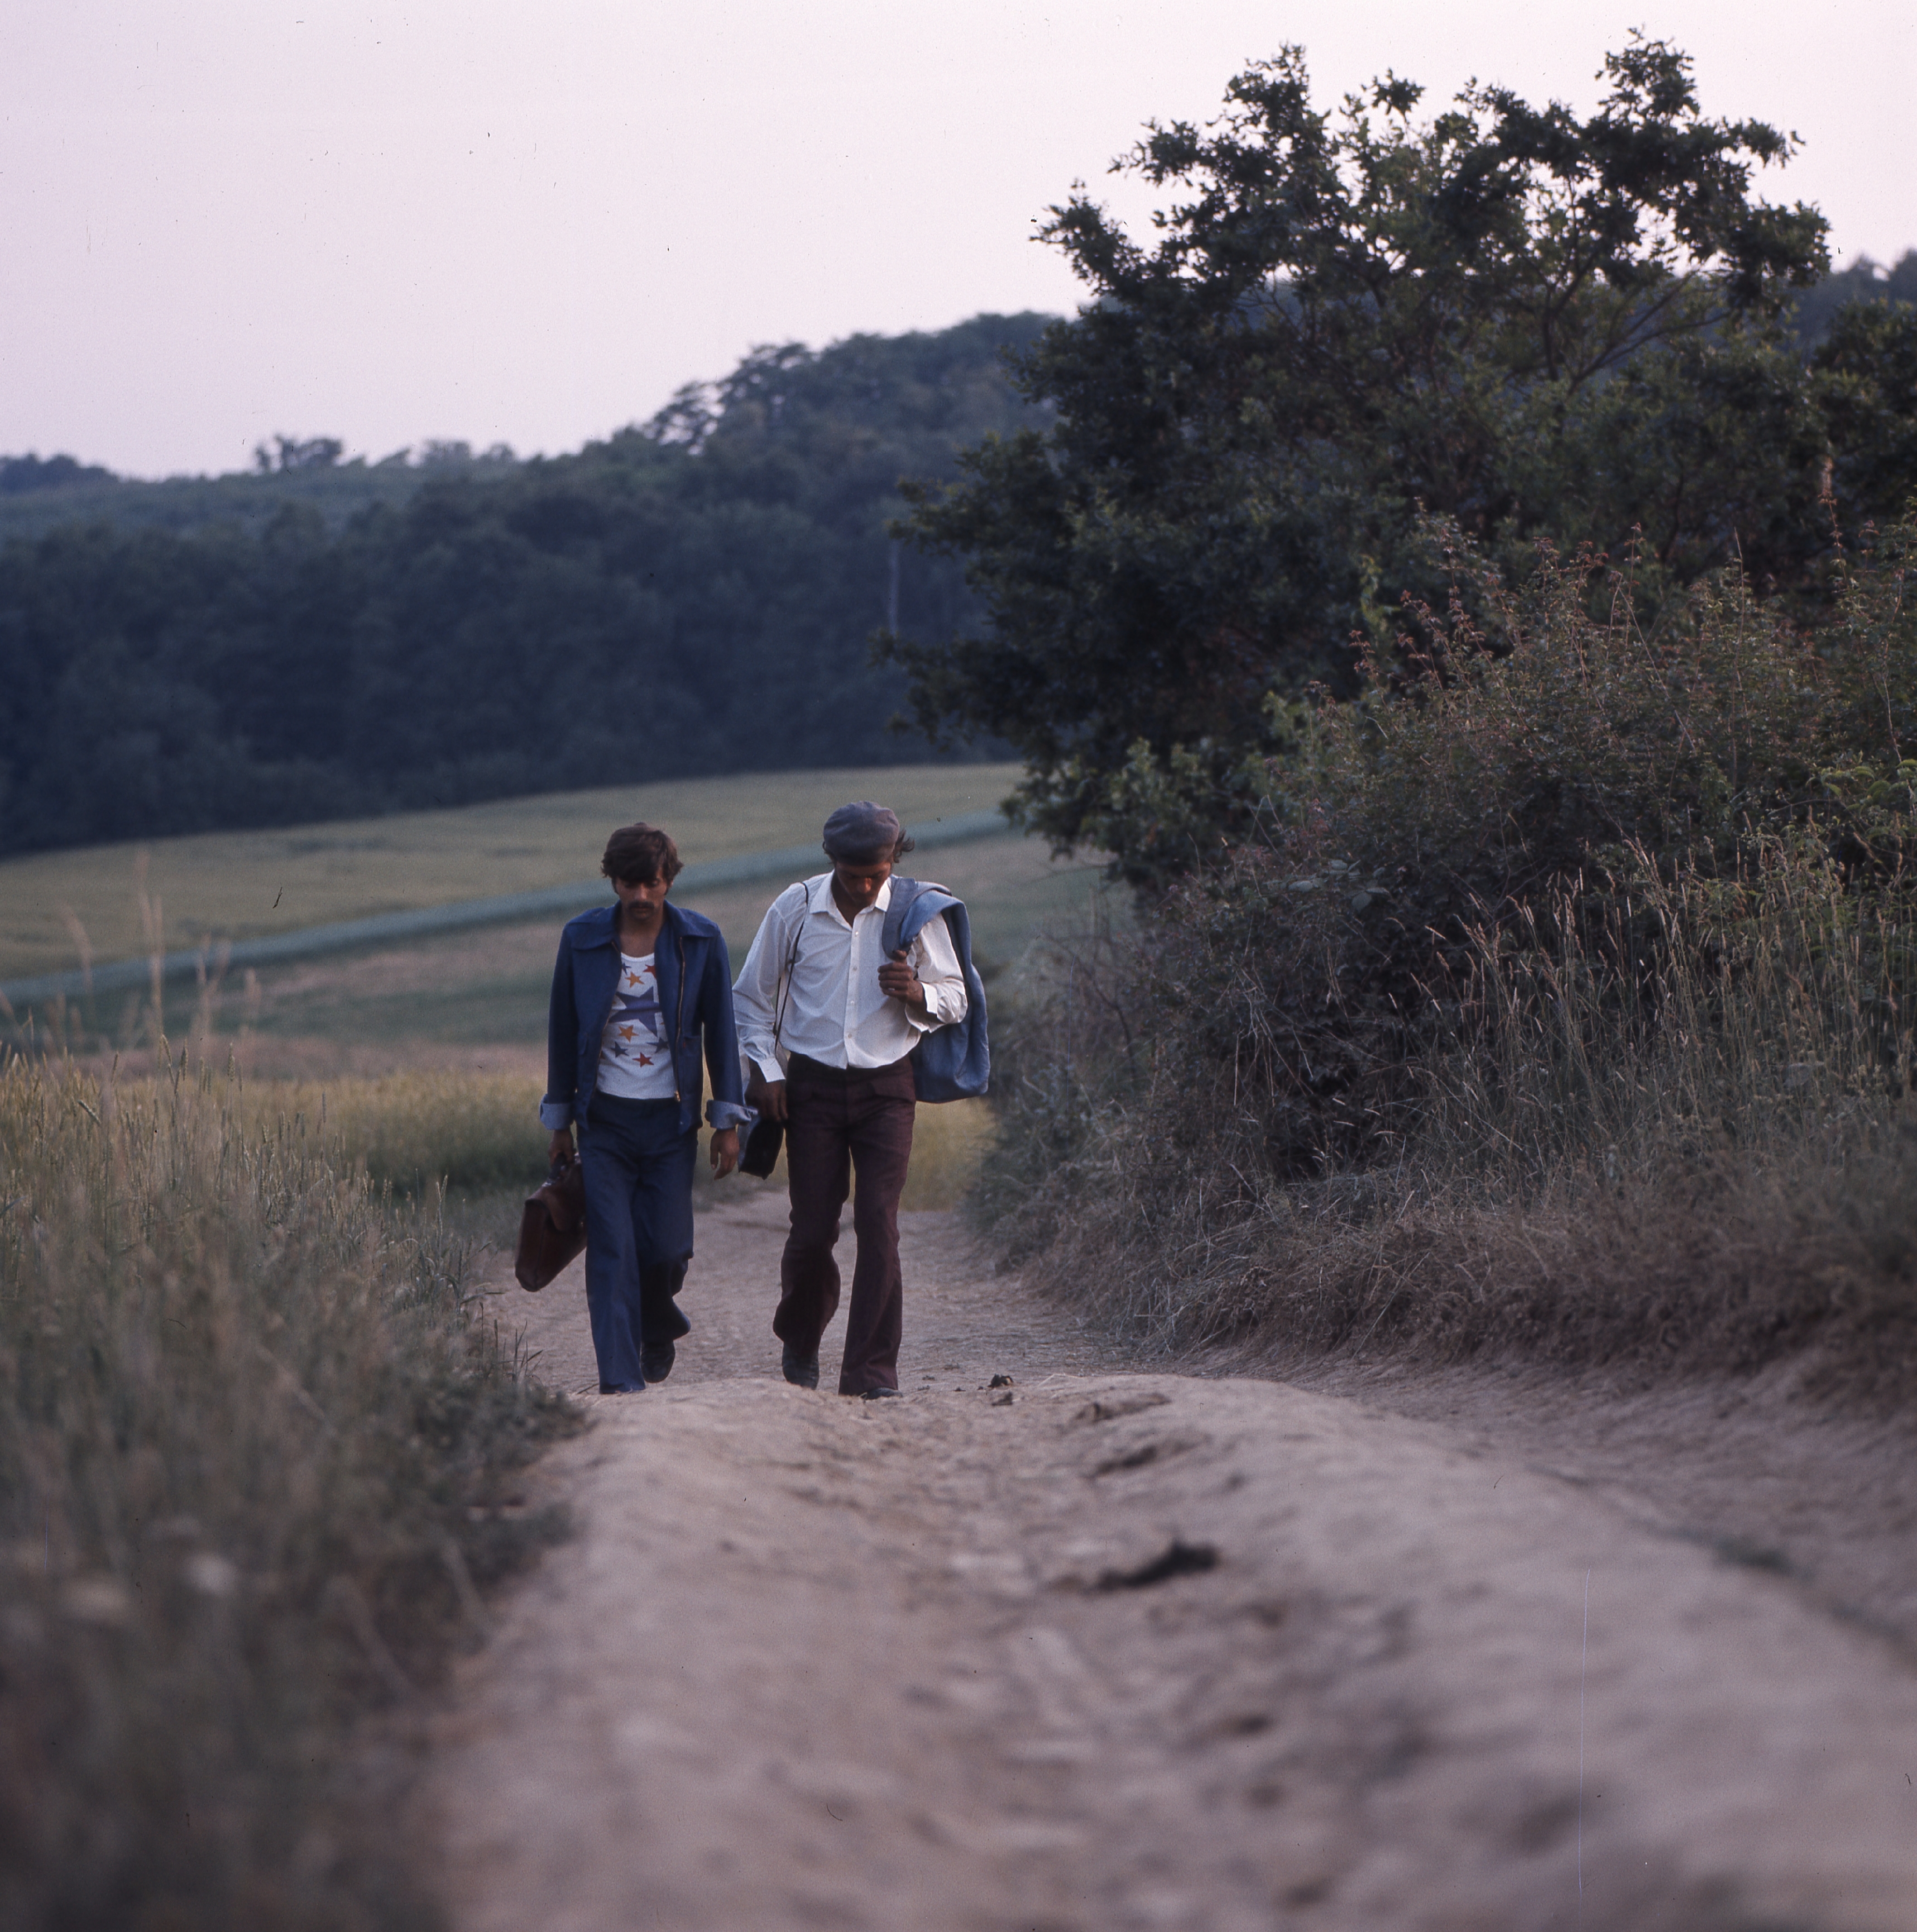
899, 981
559, 1149
768, 1097
725, 1151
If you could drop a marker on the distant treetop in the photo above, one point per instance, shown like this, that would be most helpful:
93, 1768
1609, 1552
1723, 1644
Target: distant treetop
21, 475
1813, 310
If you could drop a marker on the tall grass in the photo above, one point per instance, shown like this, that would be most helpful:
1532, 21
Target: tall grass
949, 1143
257, 1462
1762, 1013
414, 1131
1685, 1135
479, 1134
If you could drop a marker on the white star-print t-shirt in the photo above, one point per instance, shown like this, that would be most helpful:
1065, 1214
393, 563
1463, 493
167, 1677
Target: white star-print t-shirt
634, 1061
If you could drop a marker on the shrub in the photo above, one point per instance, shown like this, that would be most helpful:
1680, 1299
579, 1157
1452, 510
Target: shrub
1563, 937
1528, 773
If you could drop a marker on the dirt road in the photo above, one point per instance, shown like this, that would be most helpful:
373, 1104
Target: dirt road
1108, 1650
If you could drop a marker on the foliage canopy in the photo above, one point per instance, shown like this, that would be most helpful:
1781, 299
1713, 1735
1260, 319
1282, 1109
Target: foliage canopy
1532, 325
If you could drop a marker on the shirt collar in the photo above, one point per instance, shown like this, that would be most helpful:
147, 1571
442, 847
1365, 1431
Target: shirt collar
819, 896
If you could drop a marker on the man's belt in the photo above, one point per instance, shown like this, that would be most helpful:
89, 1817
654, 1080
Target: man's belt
803, 1064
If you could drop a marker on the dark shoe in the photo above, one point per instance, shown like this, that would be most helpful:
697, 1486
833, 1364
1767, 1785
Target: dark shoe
876, 1394
620, 1388
657, 1363
802, 1371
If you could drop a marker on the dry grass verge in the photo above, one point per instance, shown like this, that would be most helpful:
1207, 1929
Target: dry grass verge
1698, 1150
1725, 1266
257, 1465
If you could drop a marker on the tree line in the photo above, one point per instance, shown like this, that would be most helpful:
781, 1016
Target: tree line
1127, 543
693, 595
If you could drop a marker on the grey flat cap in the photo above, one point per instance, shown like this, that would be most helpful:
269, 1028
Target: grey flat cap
862, 833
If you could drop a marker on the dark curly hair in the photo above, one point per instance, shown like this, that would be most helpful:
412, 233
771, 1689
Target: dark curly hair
640, 852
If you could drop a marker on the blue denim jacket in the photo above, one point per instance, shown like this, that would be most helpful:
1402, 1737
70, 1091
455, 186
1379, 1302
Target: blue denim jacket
695, 997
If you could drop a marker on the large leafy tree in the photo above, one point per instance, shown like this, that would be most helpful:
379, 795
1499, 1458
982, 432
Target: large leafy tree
1526, 323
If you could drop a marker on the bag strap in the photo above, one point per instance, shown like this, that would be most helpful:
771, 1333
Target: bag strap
791, 965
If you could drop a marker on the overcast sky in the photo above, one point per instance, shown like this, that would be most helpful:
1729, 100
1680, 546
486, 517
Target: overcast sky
529, 223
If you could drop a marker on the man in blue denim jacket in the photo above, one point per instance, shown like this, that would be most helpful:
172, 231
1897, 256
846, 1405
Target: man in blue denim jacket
639, 990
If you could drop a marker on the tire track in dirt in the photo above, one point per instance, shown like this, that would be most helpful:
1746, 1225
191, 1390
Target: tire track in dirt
1135, 1650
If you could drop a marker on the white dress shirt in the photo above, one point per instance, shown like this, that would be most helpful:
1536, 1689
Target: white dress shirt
835, 1010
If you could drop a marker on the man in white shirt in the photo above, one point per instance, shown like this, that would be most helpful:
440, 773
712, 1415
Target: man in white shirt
826, 1025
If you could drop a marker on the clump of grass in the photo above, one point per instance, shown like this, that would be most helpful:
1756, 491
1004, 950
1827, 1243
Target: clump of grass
258, 1459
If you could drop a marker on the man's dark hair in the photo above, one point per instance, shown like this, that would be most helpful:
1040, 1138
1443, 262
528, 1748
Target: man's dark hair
637, 853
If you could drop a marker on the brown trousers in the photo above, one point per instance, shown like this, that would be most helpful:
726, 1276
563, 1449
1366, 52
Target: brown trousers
837, 1122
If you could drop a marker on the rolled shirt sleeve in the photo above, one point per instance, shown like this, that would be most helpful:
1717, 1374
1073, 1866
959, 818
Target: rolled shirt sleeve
935, 959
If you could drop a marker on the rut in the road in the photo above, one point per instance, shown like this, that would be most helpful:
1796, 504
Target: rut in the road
939, 1663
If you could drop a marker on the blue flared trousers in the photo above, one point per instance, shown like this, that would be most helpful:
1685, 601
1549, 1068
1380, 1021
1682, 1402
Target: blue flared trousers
638, 1170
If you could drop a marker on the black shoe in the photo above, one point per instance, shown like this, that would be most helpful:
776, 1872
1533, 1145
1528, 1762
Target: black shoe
655, 1364
619, 1388
876, 1394
801, 1371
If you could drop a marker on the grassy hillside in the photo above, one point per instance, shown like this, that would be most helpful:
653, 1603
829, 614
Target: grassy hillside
469, 1000
239, 885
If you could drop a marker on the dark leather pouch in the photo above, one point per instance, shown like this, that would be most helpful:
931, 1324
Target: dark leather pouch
761, 1154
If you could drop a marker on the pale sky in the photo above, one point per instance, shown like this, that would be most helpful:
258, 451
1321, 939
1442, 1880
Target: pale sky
530, 223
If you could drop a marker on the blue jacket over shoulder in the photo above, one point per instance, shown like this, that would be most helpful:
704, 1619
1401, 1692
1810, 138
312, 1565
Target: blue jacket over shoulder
951, 1063
695, 996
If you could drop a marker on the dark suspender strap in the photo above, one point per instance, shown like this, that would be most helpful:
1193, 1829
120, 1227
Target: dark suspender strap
791, 964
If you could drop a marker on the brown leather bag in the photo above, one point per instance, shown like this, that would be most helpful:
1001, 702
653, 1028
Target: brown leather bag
552, 1227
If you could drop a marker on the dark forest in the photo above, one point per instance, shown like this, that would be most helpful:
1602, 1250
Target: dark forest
319, 639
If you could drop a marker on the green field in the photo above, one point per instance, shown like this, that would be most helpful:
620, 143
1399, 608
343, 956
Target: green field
121, 902
473, 1000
